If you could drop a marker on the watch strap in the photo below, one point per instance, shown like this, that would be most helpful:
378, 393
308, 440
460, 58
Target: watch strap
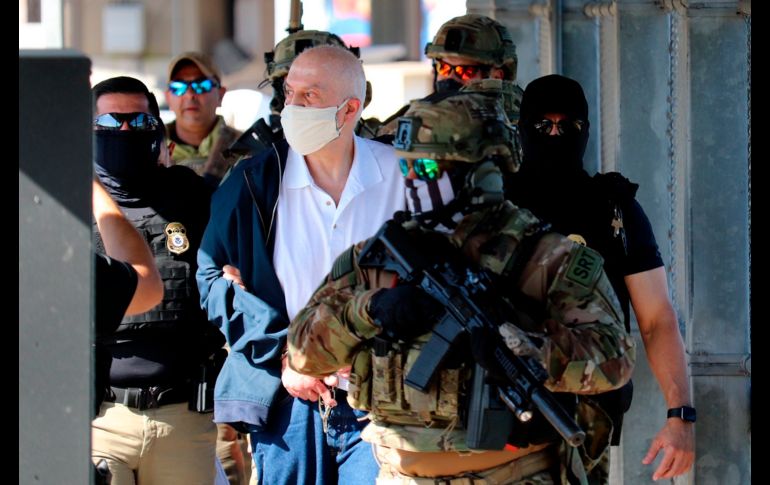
685, 413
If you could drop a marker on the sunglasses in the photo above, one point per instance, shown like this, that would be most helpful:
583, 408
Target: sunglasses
466, 73
136, 121
426, 169
545, 126
200, 86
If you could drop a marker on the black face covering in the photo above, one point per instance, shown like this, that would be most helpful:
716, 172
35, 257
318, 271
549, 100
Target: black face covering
554, 157
127, 156
450, 85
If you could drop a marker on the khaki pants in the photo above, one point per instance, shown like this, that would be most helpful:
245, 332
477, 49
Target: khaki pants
233, 454
165, 445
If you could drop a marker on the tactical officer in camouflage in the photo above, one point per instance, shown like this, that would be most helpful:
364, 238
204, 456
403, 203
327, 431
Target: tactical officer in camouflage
454, 149
198, 135
471, 47
466, 50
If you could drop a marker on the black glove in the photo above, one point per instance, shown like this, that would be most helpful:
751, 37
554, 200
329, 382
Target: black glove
404, 312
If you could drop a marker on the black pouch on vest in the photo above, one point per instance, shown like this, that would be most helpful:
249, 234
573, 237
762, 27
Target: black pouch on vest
202, 396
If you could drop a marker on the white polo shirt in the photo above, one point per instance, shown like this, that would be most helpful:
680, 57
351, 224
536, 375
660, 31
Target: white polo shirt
311, 231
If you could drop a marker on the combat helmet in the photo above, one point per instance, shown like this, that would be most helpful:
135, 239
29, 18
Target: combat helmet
468, 127
511, 95
286, 50
476, 37
510, 92
279, 60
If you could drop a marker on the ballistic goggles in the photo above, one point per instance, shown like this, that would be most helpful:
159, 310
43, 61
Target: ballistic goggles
426, 169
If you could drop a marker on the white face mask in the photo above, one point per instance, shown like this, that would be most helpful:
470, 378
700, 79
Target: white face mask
309, 129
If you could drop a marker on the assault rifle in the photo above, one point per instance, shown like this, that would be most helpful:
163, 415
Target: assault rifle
470, 299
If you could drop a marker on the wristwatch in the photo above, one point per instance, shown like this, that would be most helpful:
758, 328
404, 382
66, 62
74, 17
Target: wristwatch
685, 413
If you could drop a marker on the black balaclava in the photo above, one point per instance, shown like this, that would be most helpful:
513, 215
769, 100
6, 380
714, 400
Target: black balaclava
557, 158
449, 85
126, 160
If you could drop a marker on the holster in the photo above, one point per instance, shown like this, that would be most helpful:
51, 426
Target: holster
202, 395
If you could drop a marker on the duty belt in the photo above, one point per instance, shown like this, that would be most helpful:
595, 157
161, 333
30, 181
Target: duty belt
147, 397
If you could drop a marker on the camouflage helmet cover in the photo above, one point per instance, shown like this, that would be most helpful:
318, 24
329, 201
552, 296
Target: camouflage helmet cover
510, 92
279, 60
476, 37
463, 127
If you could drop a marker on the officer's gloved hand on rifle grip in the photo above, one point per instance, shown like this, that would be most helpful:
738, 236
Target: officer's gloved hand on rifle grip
404, 312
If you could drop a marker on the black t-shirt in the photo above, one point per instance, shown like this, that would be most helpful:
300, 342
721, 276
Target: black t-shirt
114, 287
586, 206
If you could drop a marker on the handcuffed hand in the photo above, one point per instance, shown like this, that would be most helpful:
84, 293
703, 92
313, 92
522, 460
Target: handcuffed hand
404, 312
233, 274
306, 387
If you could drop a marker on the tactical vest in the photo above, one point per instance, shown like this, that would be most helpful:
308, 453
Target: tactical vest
378, 372
180, 305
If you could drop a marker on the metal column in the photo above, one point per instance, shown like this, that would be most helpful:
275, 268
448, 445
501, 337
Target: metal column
55, 395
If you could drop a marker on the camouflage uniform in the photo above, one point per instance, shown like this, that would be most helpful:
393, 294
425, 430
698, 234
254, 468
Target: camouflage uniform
589, 352
206, 158
585, 348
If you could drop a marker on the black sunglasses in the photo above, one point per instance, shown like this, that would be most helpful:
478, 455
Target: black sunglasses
545, 126
137, 121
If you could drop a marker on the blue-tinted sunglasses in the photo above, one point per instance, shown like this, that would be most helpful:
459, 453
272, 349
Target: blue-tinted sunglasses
200, 86
136, 121
426, 169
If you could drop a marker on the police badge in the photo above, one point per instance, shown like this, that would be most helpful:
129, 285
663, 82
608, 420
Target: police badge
176, 238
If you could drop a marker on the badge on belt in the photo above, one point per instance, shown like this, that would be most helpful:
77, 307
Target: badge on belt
176, 240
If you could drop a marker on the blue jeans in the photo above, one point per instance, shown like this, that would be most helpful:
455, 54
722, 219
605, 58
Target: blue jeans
295, 450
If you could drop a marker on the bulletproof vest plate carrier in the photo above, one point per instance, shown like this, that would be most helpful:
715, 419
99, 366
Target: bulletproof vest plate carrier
180, 295
378, 373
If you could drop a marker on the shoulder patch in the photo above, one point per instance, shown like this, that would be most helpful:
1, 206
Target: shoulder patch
343, 264
584, 267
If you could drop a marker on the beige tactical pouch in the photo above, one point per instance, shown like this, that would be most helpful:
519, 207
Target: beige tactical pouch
360, 387
392, 401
